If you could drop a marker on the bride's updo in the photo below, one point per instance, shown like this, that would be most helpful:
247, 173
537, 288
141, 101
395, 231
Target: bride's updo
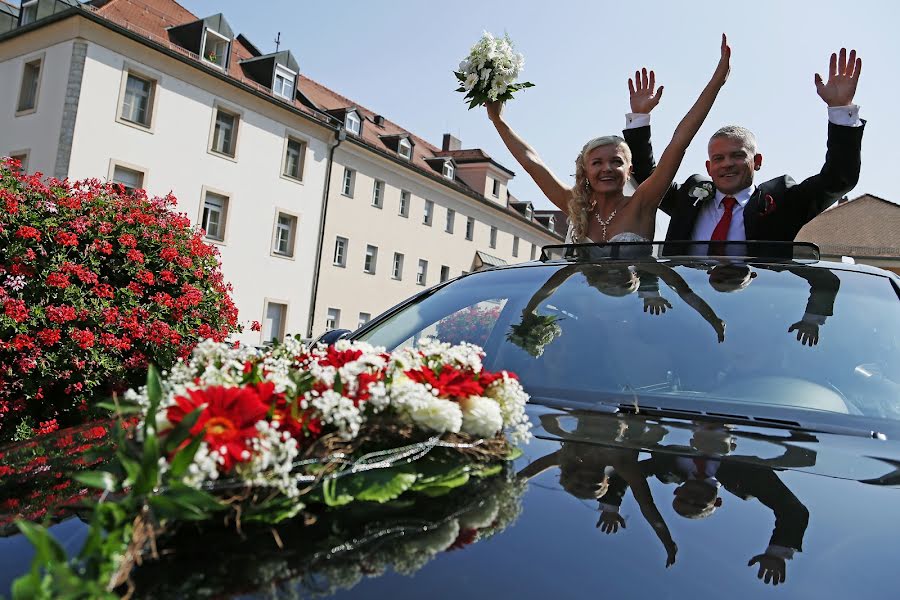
580, 203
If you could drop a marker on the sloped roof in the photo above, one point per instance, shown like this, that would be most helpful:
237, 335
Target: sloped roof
864, 226
484, 260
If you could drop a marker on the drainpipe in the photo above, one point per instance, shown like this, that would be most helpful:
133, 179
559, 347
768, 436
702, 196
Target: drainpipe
339, 135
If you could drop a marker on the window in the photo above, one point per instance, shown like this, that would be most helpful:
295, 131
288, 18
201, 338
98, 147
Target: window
225, 133
533, 251
371, 259
515, 245
28, 93
404, 148
215, 212
404, 203
29, 12
493, 237
397, 271
429, 212
363, 319
378, 194
352, 122
294, 154
285, 234
470, 228
422, 273
215, 48
448, 169
445, 273
273, 328
349, 180
22, 157
333, 319
137, 101
495, 190
451, 217
284, 82
130, 179
340, 252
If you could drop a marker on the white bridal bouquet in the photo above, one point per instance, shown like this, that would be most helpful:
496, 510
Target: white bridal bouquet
490, 71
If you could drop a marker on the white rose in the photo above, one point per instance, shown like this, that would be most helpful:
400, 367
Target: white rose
437, 415
481, 416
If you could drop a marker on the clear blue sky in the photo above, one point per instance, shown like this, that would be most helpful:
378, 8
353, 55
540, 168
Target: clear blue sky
396, 58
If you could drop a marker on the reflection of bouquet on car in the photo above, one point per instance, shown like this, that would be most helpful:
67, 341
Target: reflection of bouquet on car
340, 550
472, 324
534, 332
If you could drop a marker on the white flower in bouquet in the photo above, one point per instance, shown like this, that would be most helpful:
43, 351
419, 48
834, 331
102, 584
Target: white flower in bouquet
436, 414
481, 416
511, 397
489, 72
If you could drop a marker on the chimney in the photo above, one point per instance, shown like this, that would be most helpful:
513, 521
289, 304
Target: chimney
450, 143
378, 120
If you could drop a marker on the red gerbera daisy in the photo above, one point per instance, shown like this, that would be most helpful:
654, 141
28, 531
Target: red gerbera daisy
228, 420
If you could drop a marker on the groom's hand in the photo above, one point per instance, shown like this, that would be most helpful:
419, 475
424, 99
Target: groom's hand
807, 332
843, 76
656, 305
642, 93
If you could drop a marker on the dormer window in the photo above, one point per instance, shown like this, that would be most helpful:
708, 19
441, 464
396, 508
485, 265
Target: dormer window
352, 122
529, 212
284, 82
449, 170
29, 12
215, 48
404, 148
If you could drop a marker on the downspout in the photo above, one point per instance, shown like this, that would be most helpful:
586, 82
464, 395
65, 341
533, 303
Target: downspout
340, 135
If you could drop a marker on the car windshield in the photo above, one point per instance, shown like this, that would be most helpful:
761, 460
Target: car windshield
789, 334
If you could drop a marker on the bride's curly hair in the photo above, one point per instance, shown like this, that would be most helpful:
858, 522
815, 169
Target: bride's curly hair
580, 202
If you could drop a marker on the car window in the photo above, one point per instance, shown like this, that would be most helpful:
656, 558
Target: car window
786, 334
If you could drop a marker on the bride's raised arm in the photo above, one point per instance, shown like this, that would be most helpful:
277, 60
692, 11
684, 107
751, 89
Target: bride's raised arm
651, 191
553, 188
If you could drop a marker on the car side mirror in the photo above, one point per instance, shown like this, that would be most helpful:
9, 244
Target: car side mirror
330, 337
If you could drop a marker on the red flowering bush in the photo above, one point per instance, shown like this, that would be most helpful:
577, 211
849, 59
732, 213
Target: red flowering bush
94, 284
472, 324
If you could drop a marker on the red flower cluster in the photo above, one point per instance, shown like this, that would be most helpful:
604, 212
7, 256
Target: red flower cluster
94, 284
472, 324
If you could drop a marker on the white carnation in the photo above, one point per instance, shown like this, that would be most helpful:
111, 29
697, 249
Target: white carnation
481, 416
436, 414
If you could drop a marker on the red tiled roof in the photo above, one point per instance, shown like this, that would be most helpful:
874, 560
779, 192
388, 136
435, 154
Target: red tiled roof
151, 18
865, 226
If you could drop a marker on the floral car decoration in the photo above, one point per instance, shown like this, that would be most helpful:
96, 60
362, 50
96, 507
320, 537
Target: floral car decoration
260, 437
95, 283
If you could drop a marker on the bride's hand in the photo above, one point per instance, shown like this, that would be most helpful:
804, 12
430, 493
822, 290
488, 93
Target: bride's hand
724, 66
494, 110
641, 92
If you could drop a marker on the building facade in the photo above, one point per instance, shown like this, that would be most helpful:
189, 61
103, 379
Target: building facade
274, 167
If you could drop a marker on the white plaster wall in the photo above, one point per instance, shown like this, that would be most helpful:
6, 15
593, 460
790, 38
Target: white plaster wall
350, 289
176, 159
37, 132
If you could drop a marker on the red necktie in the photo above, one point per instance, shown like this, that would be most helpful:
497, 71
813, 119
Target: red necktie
720, 233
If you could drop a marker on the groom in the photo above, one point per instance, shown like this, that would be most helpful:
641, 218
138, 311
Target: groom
727, 205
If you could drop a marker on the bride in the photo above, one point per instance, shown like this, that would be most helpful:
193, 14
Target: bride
598, 209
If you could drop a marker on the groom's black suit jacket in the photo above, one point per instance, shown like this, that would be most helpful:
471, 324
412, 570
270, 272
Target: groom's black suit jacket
780, 207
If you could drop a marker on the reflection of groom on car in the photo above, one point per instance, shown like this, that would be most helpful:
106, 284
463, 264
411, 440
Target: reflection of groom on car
727, 205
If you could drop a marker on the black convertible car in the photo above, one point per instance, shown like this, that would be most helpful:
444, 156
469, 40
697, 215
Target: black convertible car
704, 427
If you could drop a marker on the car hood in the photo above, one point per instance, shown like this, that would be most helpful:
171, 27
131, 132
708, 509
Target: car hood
824, 502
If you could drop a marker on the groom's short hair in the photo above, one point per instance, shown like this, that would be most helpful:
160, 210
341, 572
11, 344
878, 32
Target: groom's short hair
741, 134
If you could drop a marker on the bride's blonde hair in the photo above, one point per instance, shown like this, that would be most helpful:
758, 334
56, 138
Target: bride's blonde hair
580, 202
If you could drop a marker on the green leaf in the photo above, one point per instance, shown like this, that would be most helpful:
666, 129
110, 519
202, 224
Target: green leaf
102, 480
379, 485
125, 408
166, 508
183, 493
180, 432
475, 102
184, 457
332, 496
26, 587
154, 395
47, 549
487, 471
514, 453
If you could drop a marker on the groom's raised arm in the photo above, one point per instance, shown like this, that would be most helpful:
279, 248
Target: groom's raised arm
840, 172
644, 97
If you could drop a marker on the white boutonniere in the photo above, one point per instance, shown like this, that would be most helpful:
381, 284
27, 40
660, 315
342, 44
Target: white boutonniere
701, 192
